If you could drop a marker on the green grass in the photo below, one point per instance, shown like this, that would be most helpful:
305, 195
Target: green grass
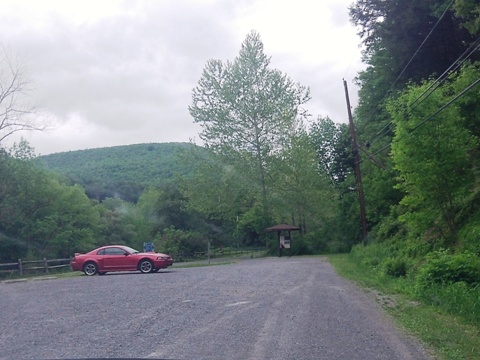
446, 335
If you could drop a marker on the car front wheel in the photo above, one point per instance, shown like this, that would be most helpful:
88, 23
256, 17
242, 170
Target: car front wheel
90, 269
145, 266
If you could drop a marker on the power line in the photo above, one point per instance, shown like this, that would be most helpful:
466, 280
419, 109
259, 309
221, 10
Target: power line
452, 68
431, 116
387, 128
435, 85
421, 45
430, 89
446, 105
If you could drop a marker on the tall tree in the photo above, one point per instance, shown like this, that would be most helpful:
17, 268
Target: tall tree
245, 106
333, 147
403, 41
433, 155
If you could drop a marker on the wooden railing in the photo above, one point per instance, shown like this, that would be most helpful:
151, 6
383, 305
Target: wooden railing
45, 266
23, 267
217, 253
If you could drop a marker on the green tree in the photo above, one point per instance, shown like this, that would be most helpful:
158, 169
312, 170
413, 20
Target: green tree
22, 150
42, 215
303, 192
392, 31
224, 195
402, 42
469, 12
433, 158
246, 107
333, 147
116, 222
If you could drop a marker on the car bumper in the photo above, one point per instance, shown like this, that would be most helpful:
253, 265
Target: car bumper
162, 264
76, 266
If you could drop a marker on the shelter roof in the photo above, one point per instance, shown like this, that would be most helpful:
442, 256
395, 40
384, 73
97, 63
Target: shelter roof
282, 227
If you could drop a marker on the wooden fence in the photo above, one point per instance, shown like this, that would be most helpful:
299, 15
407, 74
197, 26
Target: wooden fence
217, 253
45, 266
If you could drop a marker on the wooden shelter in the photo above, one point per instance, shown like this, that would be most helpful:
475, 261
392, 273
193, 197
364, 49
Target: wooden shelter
284, 236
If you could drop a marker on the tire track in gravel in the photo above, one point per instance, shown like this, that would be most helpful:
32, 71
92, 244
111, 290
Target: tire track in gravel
274, 308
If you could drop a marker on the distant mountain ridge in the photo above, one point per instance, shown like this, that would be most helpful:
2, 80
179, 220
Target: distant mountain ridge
123, 171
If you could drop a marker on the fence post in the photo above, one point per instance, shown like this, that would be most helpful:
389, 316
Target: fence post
20, 267
45, 265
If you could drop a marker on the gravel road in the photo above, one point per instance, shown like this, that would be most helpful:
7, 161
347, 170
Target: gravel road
273, 308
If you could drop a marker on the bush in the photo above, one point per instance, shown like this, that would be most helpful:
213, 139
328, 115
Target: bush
470, 236
372, 255
396, 267
444, 268
300, 247
174, 241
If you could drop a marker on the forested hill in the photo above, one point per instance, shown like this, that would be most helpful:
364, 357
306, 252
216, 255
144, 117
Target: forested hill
123, 171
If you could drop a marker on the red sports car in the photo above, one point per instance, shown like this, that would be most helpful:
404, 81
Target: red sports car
119, 258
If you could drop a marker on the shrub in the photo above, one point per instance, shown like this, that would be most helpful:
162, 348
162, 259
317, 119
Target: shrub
174, 241
396, 267
444, 268
470, 236
372, 255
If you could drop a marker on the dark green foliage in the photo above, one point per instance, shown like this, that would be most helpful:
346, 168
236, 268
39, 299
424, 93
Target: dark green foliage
40, 215
10, 249
470, 235
442, 267
468, 11
395, 267
424, 198
177, 241
120, 171
433, 160
333, 147
392, 31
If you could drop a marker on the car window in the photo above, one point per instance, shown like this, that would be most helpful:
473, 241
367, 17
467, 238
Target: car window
114, 251
101, 252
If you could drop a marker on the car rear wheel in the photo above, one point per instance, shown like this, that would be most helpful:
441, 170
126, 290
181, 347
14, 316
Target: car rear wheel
145, 266
90, 269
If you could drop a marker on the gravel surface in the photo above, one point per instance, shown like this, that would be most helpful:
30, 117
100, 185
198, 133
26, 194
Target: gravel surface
274, 308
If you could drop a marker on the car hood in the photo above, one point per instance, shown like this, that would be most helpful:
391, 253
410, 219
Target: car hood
151, 254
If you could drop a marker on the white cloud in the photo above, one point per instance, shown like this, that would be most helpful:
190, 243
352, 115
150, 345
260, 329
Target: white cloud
121, 72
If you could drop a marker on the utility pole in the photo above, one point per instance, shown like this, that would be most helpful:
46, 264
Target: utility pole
356, 167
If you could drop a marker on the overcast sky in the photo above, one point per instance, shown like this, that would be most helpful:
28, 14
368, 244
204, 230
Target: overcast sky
111, 72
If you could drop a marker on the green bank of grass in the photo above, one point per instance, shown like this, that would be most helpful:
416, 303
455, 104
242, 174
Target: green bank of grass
448, 336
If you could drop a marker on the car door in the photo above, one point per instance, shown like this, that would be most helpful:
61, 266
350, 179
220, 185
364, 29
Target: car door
118, 259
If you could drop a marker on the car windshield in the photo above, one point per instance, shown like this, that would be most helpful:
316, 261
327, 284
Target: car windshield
130, 250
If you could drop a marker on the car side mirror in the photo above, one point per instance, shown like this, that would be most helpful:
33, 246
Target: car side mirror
126, 254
